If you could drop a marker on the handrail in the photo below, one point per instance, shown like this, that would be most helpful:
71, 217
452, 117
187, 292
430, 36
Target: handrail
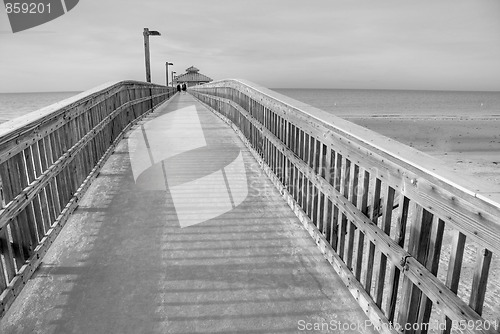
378, 209
48, 159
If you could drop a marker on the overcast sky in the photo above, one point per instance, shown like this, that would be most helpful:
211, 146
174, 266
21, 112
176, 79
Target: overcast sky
385, 44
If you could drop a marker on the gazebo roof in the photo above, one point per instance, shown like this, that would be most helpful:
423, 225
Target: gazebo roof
192, 75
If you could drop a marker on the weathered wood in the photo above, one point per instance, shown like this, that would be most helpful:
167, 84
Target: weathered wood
8, 256
395, 272
437, 198
480, 280
361, 236
371, 245
353, 191
452, 202
386, 224
373, 313
47, 161
432, 264
454, 268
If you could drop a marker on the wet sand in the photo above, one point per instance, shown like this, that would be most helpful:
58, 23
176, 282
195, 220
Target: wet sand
468, 145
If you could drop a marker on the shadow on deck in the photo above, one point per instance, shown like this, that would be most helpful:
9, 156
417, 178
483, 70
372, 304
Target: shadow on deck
182, 232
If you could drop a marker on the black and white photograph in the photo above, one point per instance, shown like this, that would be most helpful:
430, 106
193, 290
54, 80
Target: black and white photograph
249, 167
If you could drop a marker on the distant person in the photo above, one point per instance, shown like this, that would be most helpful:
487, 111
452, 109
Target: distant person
178, 88
184, 88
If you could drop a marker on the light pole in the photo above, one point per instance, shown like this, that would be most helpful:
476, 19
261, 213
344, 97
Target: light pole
173, 78
166, 72
146, 34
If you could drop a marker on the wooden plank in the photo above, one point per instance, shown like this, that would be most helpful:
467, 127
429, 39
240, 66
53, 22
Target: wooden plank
386, 224
327, 204
454, 268
361, 235
414, 270
8, 256
345, 181
453, 205
3, 279
353, 190
480, 280
432, 264
394, 277
371, 245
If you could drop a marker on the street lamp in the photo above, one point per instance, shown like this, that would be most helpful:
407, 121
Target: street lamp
173, 78
146, 34
166, 72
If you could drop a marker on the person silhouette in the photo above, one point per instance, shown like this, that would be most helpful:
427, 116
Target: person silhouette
178, 88
184, 88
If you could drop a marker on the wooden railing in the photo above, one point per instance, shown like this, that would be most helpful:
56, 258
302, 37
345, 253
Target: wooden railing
393, 223
48, 159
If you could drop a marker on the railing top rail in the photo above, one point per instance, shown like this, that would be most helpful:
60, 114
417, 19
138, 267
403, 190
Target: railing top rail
410, 158
51, 111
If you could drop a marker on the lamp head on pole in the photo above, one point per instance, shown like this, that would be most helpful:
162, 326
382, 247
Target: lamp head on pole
148, 32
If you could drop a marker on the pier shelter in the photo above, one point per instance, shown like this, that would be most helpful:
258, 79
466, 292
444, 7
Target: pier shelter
192, 77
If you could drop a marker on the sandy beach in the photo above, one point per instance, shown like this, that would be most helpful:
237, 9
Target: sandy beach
466, 144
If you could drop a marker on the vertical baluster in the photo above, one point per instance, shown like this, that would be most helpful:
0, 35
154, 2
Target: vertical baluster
8, 254
305, 183
327, 207
352, 228
395, 273
371, 250
345, 181
336, 184
314, 192
480, 279
361, 235
432, 264
386, 226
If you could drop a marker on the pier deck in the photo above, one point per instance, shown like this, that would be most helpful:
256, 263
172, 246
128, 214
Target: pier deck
181, 232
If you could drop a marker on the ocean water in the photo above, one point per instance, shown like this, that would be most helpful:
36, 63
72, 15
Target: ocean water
341, 102
398, 103
13, 105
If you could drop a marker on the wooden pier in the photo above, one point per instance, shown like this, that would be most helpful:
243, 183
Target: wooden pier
230, 209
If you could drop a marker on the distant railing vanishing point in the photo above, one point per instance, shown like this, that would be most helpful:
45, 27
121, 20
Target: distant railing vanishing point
48, 159
377, 209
